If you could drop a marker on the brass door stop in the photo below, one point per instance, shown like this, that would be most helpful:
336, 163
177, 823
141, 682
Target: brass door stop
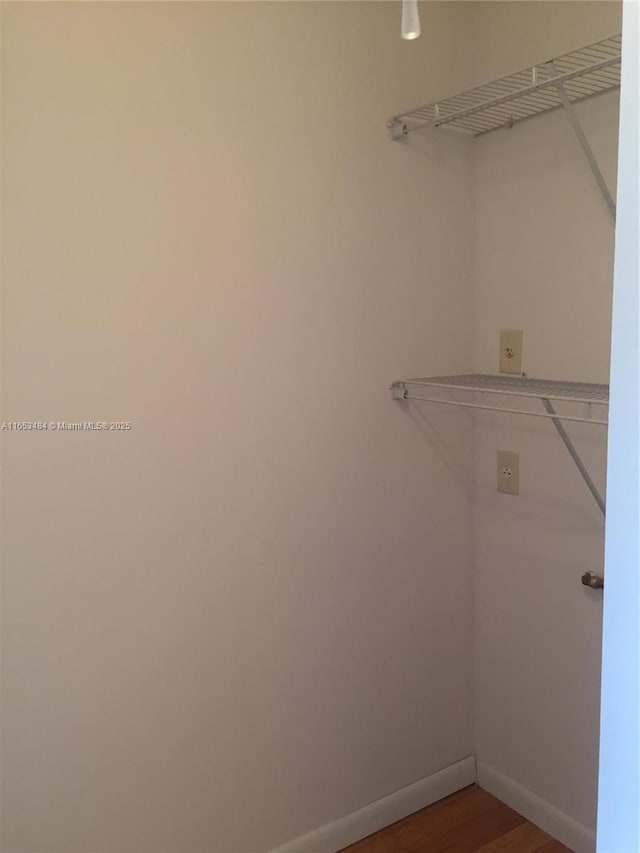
592, 581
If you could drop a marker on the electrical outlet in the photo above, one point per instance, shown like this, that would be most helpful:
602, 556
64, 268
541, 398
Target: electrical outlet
510, 351
508, 472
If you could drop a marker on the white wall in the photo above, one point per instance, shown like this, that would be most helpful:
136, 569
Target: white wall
251, 614
543, 263
511, 34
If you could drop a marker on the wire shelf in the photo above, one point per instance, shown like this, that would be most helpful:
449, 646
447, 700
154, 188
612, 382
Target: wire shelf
517, 386
585, 72
518, 389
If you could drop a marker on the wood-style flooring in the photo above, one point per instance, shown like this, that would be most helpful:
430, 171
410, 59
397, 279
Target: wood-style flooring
471, 821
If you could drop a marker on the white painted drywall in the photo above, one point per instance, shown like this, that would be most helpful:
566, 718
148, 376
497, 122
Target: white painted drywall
251, 614
543, 263
511, 34
619, 769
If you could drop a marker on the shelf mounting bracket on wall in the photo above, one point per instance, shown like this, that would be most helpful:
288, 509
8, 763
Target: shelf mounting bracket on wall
574, 453
588, 152
579, 397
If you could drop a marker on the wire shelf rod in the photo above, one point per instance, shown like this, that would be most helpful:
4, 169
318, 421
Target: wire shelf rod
465, 405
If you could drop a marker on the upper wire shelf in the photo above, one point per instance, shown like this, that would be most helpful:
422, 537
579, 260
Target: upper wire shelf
581, 74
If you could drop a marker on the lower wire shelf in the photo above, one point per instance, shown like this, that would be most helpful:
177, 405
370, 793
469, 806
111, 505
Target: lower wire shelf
586, 403
586, 395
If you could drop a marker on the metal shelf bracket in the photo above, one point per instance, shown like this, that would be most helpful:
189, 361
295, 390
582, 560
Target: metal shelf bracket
398, 130
588, 152
574, 455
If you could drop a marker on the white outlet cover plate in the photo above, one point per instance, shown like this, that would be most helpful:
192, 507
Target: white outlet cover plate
510, 351
508, 472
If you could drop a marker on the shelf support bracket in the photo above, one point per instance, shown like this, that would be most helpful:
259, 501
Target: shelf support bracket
398, 130
399, 391
574, 454
588, 153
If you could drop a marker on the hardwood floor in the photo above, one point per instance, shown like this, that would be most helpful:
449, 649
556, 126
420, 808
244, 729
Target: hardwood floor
470, 821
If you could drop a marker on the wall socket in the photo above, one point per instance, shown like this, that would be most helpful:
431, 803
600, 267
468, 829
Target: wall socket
508, 472
510, 351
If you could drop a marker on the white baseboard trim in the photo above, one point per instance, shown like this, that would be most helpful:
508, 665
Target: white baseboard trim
562, 827
347, 830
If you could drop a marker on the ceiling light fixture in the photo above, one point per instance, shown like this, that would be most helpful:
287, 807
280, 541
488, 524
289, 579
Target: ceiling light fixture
410, 19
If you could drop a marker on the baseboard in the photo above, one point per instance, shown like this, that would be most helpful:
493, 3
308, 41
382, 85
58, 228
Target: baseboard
351, 828
572, 834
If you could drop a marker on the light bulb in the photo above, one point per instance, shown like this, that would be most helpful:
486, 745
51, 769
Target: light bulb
410, 19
